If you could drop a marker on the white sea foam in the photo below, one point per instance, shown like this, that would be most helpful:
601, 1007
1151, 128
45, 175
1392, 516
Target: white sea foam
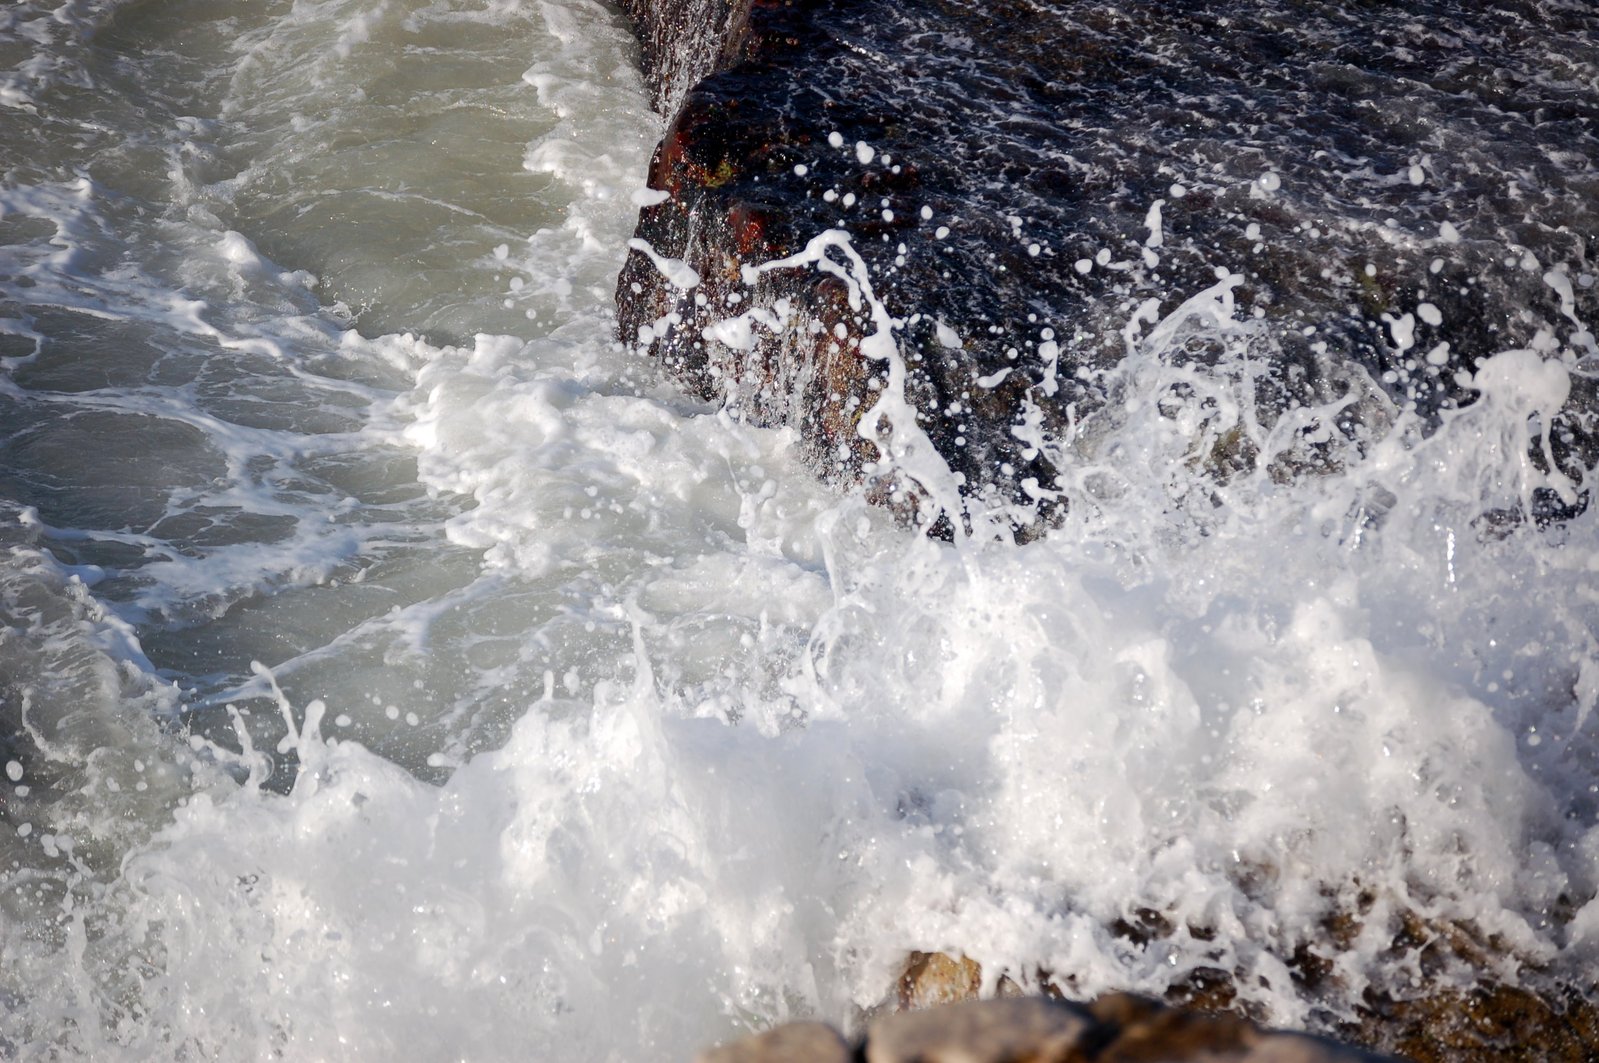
594, 726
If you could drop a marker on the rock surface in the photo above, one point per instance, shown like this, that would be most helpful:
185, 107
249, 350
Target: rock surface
988, 210
1113, 1029
1021, 178
1487, 1023
933, 978
1020, 1028
796, 1042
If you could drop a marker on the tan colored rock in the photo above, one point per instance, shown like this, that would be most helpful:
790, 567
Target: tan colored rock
1018, 1030
929, 979
796, 1042
933, 978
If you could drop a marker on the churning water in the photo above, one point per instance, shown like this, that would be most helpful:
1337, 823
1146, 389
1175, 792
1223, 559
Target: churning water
394, 669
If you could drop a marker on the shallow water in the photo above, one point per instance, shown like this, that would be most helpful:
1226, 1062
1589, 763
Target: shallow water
394, 666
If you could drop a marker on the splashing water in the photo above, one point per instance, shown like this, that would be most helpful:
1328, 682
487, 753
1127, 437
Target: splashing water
592, 724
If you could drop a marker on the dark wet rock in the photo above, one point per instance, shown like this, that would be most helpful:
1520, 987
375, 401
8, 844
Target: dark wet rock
1117, 1028
1435, 1023
1137, 1030
1491, 1021
1380, 178
683, 41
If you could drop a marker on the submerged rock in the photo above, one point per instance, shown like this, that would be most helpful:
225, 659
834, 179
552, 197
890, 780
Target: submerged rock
1376, 197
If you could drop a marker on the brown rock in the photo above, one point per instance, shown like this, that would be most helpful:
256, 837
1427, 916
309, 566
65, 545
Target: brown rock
933, 978
1486, 1022
1138, 1030
1018, 1030
797, 1042
1482, 1024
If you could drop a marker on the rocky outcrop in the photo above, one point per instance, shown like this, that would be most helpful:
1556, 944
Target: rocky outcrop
931, 237
1019, 190
1113, 1029
1488, 1022
935, 1016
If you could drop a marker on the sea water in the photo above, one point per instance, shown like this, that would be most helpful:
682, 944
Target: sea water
394, 668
